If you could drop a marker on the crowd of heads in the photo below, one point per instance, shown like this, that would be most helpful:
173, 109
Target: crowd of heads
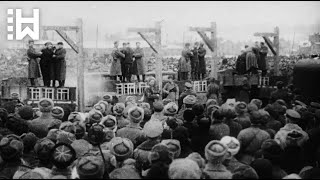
131, 140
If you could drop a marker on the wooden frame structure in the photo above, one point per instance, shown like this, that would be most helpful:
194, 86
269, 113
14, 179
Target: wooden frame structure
155, 47
78, 48
211, 43
273, 46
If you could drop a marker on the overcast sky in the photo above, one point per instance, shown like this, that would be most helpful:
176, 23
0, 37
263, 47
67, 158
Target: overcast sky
235, 20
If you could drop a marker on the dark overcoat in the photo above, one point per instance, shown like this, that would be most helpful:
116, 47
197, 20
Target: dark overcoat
202, 62
58, 65
45, 62
138, 64
33, 68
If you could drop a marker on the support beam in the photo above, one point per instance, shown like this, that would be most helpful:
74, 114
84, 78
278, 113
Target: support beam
61, 28
143, 30
151, 46
265, 34
68, 40
270, 45
200, 29
80, 67
206, 40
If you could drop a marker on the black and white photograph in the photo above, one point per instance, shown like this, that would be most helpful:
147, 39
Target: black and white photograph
159, 90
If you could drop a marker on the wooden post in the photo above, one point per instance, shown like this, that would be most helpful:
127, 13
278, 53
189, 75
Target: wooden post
276, 44
80, 68
159, 65
214, 64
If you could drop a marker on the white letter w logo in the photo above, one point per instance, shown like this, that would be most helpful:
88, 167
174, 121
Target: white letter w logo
27, 31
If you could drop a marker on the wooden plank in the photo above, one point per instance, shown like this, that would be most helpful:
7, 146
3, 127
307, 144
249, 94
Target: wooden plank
68, 40
144, 38
143, 30
61, 28
206, 40
270, 45
200, 29
80, 67
265, 34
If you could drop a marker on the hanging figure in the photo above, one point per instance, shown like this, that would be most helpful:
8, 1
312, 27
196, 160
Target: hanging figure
45, 62
59, 65
202, 62
116, 62
195, 62
122, 59
128, 61
33, 67
138, 63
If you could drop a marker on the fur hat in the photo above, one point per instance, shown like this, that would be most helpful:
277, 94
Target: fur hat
184, 169
256, 117
170, 109
81, 147
144, 105
196, 157
80, 129
75, 116
211, 109
118, 109
57, 112
108, 98
215, 151
100, 107
68, 127
241, 107
188, 85
232, 143
16, 124
45, 105
271, 150
174, 146
43, 148
36, 173
292, 176
211, 102
265, 116
153, 128
26, 112
130, 99
198, 109
190, 99
53, 134
257, 102
293, 115
252, 107
245, 172
62, 155
124, 173
166, 101
110, 122
122, 148
11, 147
158, 106
29, 140
136, 114
160, 152
95, 116
55, 124
90, 167
65, 137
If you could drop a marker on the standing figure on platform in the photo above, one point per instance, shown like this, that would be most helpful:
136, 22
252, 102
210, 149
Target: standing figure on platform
33, 67
262, 61
59, 65
151, 93
45, 62
202, 62
171, 90
184, 62
195, 62
128, 60
116, 62
138, 63
251, 60
123, 68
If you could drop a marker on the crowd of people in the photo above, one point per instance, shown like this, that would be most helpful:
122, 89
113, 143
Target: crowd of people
52, 64
173, 138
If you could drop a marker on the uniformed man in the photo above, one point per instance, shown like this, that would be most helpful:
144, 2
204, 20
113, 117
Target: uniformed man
33, 67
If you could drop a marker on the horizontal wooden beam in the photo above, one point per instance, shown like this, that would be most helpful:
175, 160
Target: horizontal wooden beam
61, 28
143, 30
265, 34
68, 40
206, 40
151, 46
200, 29
270, 45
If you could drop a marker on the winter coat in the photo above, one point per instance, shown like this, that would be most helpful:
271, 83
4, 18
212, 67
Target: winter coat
284, 140
39, 126
115, 69
45, 62
128, 55
142, 152
122, 122
262, 60
213, 92
218, 171
150, 95
184, 61
33, 68
58, 65
202, 62
138, 64
135, 134
251, 139
234, 127
241, 64
244, 120
173, 91
251, 60
233, 164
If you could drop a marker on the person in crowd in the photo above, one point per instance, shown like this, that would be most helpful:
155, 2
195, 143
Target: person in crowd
279, 93
171, 90
213, 91
151, 93
33, 67
187, 91
138, 63
202, 61
58, 66
117, 55
184, 62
